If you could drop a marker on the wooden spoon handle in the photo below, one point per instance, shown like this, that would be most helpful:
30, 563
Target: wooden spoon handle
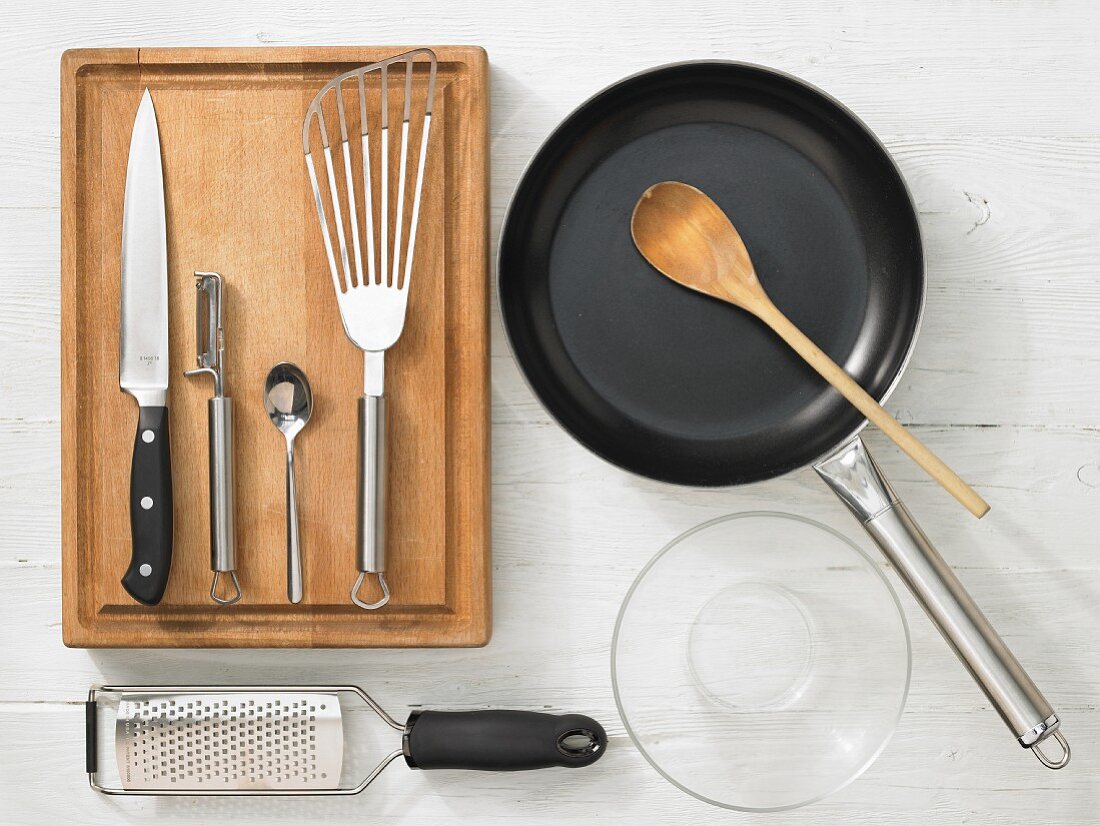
846, 385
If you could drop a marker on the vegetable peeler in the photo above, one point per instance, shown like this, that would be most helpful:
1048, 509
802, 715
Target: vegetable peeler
210, 355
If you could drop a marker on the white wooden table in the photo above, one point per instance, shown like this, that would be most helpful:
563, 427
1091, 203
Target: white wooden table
992, 111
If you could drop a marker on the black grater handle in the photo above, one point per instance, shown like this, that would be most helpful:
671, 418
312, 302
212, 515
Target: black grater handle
90, 738
501, 740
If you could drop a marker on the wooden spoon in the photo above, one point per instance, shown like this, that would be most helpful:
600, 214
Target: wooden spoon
686, 236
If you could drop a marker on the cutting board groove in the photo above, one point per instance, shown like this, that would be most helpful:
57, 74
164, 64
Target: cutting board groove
238, 202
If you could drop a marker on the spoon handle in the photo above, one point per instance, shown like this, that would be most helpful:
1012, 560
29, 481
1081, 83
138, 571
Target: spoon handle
293, 546
847, 387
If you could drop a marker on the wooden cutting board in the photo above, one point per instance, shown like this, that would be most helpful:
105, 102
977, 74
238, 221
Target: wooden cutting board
239, 203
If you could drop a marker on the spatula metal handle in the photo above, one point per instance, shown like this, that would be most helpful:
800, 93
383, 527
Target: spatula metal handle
372, 485
370, 557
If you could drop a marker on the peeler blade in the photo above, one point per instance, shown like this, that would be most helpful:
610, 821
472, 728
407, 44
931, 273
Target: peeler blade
208, 320
235, 741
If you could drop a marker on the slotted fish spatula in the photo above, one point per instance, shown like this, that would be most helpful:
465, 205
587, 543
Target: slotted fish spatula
372, 280
289, 740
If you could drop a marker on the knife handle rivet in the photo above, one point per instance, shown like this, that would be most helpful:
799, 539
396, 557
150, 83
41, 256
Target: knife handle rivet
146, 502
145, 569
147, 436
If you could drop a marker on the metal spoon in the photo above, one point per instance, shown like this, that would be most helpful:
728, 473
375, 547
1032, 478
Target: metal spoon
289, 403
687, 237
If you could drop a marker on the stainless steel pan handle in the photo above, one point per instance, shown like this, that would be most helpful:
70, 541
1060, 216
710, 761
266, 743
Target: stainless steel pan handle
857, 480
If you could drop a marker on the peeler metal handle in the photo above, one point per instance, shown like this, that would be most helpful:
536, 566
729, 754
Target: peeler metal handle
371, 523
223, 542
857, 480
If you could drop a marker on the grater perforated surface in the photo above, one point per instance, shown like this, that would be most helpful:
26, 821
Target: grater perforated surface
239, 741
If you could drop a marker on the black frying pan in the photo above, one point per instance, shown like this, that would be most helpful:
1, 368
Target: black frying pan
672, 384
677, 386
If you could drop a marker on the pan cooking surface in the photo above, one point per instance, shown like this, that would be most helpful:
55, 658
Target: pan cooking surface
676, 385
739, 375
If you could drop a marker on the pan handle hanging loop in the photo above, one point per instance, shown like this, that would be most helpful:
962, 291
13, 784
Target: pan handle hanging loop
857, 480
1046, 761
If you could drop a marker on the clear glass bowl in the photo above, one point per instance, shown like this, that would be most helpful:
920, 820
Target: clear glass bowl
761, 661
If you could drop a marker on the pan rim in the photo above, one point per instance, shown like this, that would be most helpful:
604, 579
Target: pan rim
762, 70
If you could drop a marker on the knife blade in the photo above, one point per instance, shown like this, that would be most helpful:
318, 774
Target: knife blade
143, 359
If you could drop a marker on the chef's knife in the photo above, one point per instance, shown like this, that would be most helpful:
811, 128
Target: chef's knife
143, 359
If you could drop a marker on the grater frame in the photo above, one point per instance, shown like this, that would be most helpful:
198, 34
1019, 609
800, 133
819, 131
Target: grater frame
91, 737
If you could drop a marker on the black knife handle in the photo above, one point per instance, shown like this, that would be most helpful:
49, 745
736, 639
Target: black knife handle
150, 508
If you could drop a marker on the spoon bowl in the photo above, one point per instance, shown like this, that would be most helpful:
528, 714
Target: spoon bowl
288, 401
288, 398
